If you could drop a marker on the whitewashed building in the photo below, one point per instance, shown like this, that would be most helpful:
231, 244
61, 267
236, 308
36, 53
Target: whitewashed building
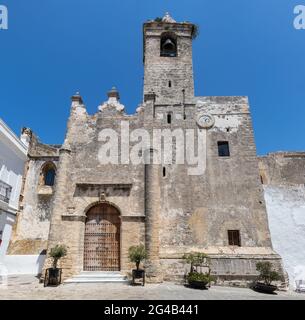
13, 155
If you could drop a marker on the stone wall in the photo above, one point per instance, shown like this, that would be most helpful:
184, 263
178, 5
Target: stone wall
31, 230
283, 168
158, 71
228, 196
82, 180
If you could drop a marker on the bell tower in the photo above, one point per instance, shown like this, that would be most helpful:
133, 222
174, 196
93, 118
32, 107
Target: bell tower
168, 63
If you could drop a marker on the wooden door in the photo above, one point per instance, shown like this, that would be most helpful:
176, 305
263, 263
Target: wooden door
102, 239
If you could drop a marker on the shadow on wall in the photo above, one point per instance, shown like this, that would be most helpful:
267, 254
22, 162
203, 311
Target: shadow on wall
6, 225
40, 261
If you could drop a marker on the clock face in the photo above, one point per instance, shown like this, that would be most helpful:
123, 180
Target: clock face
205, 121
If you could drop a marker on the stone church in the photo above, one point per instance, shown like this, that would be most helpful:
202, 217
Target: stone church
98, 210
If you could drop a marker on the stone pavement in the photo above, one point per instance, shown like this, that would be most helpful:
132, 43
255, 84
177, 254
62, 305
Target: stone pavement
28, 287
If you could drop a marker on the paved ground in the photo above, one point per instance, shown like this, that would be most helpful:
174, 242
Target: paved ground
27, 287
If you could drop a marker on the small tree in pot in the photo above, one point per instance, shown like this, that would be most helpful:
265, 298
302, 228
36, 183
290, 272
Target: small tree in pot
267, 274
196, 277
53, 275
57, 253
137, 254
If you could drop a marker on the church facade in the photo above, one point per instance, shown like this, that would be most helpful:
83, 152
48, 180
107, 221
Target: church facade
98, 209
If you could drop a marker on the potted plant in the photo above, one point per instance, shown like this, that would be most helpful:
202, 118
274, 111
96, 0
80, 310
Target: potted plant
53, 275
136, 255
196, 278
266, 274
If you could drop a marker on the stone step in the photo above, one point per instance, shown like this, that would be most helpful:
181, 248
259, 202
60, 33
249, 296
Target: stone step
100, 273
98, 277
98, 280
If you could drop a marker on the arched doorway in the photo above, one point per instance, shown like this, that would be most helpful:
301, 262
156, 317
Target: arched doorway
102, 239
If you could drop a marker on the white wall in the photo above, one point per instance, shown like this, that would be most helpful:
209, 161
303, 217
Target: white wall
286, 214
11, 171
13, 155
23, 264
7, 221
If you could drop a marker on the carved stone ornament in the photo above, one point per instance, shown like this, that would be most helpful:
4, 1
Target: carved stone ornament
102, 196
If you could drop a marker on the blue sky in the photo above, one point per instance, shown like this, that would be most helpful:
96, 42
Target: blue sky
55, 47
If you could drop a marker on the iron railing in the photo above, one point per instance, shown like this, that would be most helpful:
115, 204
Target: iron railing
5, 191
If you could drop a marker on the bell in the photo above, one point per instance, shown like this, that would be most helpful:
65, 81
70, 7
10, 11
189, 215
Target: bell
168, 45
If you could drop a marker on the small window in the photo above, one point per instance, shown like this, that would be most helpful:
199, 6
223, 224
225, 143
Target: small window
164, 172
223, 149
48, 173
49, 177
234, 238
169, 118
169, 84
262, 179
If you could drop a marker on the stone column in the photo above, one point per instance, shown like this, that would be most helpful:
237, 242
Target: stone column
152, 212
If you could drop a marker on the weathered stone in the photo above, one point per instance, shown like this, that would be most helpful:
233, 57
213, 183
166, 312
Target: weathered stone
173, 214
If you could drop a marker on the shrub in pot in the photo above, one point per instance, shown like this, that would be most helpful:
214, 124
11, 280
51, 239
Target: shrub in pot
53, 275
196, 278
137, 254
266, 276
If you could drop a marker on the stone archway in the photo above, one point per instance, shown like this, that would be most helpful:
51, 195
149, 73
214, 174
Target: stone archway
102, 238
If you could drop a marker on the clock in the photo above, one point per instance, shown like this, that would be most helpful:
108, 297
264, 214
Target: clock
205, 121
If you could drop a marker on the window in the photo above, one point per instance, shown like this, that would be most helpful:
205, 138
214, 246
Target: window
169, 84
169, 118
164, 172
262, 179
234, 238
49, 177
5, 191
48, 173
168, 46
223, 149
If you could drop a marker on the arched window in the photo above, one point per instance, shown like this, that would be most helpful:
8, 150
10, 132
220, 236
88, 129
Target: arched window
49, 177
48, 173
168, 46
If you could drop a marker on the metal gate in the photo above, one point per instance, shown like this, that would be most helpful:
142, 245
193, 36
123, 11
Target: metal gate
102, 239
